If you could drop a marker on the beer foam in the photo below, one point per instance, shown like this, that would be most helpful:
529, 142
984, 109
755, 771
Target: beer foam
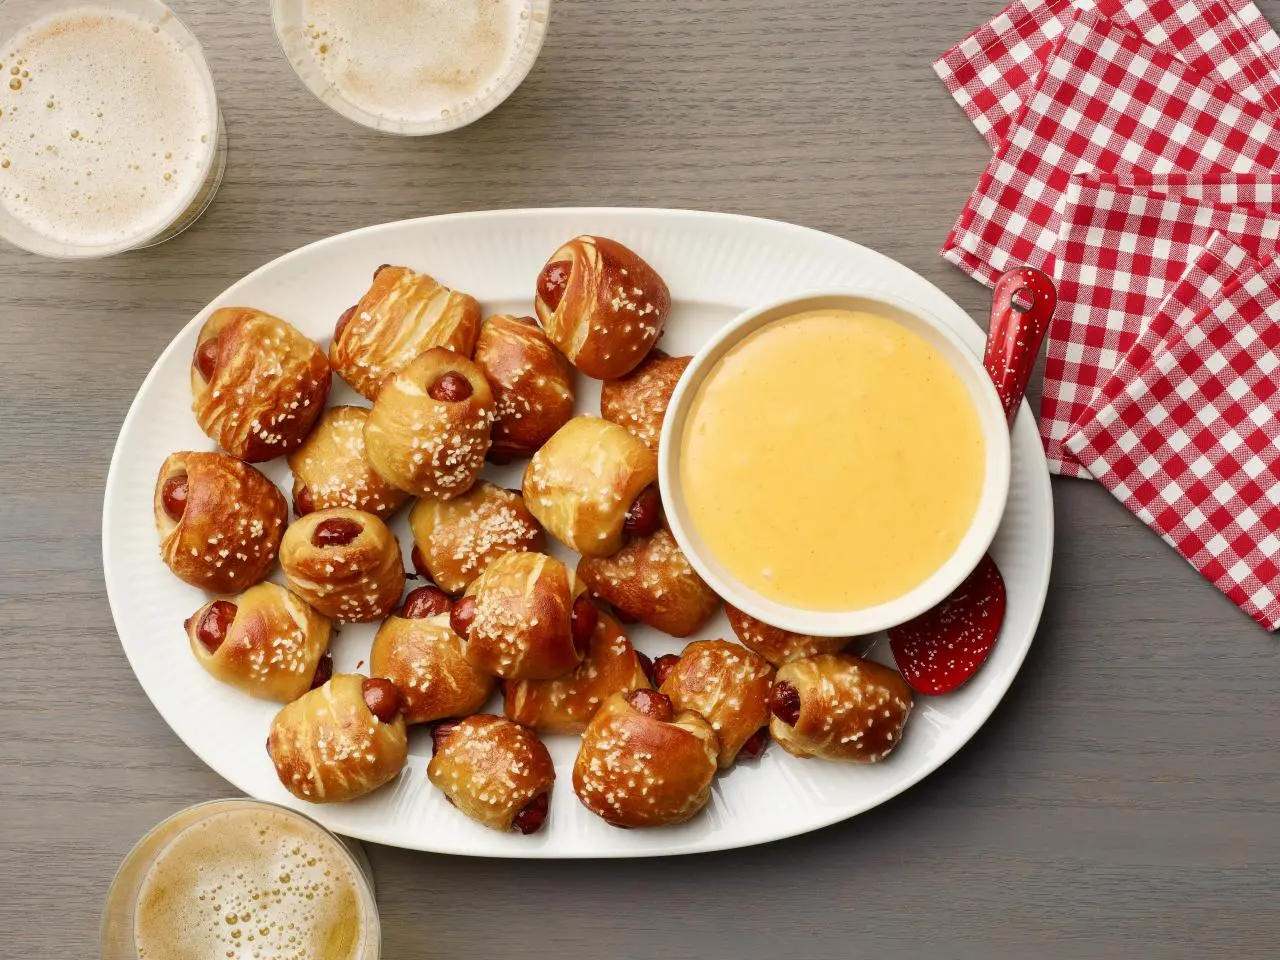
250, 884
105, 127
414, 61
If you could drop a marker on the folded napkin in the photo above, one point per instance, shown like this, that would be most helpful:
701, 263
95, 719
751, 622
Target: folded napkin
1110, 102
1191, 444
1123, 242
1212, 270
993, 71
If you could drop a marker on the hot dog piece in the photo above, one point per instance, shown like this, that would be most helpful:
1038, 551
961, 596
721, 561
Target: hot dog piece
382, 697
173, 495
424, 603
212, 625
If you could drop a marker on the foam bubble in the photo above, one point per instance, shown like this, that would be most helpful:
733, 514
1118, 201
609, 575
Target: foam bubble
410, 61
101, 136
249, 884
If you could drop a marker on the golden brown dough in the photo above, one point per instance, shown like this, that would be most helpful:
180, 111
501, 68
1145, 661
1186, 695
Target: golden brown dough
527, 617
494, 771
839, 707
423, 657
428, 431
532, 385
601, 305
258, 384
345, 563
331, 469
220, 521
639, 400
776, 645
457, 539
650, 580
728, 686
641, 764
265, 642
330, 746
567, 704
402, 315
583, 483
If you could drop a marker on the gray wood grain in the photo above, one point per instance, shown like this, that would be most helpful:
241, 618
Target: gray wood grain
1121, 803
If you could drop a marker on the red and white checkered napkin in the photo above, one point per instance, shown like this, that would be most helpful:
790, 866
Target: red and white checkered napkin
993, 71
1192, 443
1124, 240
1212, 269
1109, 102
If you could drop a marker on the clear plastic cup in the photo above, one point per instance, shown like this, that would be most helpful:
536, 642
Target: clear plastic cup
187, 204
294, 31
119, 918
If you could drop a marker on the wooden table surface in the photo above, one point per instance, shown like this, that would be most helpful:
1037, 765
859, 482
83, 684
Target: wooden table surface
1123, 800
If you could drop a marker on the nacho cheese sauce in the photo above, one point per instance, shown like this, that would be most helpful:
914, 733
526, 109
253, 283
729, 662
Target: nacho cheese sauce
832, 461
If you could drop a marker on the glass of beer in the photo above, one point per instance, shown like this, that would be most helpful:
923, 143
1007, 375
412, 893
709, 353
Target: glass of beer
110, 135
411, 67
243, 880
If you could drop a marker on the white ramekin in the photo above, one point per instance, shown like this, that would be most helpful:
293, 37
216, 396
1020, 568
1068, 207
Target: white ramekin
995, 489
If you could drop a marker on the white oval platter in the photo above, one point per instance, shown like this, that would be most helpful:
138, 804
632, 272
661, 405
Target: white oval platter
716, 265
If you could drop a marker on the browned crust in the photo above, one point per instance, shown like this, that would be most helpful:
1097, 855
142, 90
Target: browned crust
635, 771
728, 686
850, 709
328, 748
229, 535
273, 645
491, 768
269, 384
776, 645
424, 659
567, 704
532, 385
523, 618
459, 538
613, 311
639, 401
356, 583
428, 447
334, 469
650, 580
581, 484
403, 314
